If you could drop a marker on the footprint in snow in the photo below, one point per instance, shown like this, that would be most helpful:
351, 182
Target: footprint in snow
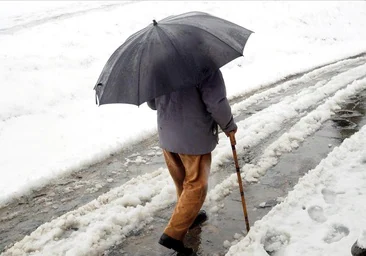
274, 240
316, 213
329, 196
336, 233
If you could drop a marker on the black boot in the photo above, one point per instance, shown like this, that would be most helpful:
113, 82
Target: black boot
201, 217
357, 251
176, 245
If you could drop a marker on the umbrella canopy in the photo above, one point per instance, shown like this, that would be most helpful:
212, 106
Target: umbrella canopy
174, 53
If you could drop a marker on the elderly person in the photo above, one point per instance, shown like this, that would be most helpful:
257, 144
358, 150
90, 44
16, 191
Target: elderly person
188, 122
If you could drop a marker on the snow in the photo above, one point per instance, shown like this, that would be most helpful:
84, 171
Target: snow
323, 215
264, 123
48, 117
361, 241
101, 223
51, 56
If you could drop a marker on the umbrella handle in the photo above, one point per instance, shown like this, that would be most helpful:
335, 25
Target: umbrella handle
233, 143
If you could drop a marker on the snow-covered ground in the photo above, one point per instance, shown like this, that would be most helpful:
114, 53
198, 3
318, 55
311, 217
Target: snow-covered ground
323, 215
51, 56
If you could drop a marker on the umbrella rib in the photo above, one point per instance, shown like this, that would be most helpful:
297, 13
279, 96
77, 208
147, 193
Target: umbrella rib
142, 48
171, 42
189, 25
138, 33
138, 81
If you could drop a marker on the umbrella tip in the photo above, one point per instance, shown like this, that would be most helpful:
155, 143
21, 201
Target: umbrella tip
155, 23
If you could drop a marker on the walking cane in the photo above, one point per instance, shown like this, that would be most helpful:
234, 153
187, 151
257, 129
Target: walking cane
233, 143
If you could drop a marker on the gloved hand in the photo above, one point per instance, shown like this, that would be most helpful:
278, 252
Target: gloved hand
233, 131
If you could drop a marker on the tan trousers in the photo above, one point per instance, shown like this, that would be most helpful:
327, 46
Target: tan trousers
190, 174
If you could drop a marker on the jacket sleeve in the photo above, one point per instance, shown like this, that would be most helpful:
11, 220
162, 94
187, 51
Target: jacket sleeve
151, 104
213, 93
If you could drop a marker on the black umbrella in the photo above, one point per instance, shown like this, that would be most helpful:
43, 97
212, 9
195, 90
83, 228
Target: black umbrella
174, 53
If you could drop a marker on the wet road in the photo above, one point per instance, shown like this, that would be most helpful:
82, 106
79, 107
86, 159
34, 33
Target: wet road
70, 192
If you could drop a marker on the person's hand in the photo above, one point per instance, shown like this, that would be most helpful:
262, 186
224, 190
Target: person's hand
233, 131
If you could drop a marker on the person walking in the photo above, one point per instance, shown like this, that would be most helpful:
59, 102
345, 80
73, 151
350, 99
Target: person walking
188, 121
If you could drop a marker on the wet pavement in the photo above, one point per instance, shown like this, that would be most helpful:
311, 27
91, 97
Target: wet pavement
18, 218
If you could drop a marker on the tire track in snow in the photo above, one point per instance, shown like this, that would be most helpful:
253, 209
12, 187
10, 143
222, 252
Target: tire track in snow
275, 118
273, 95
61, 16
293, 86
316, 73
288, 141
113, 231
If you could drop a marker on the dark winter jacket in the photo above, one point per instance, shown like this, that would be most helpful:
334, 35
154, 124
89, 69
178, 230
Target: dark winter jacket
187, 119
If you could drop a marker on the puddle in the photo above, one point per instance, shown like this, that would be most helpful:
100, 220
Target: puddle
343, 123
